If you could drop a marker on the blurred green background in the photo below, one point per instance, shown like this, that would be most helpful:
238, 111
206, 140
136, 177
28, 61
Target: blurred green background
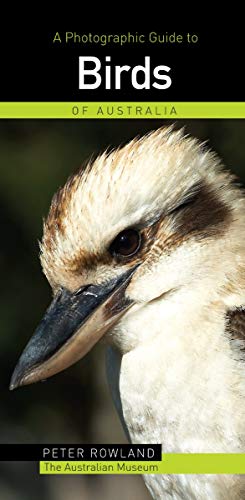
36, 157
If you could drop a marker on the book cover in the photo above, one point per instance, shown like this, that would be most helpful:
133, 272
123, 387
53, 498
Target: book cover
122, 261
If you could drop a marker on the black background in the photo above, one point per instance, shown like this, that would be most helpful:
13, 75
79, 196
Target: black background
33, 452
35, 69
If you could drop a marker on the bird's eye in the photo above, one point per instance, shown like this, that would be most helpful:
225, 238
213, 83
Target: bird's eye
126, 243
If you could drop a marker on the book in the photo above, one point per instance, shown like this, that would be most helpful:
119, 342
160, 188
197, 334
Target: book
121, 171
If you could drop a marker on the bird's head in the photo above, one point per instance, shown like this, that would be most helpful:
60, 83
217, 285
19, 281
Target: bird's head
147, 224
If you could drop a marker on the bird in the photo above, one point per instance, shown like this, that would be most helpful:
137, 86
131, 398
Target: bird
144, 250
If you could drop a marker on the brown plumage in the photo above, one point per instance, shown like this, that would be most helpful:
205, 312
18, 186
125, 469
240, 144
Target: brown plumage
236, 326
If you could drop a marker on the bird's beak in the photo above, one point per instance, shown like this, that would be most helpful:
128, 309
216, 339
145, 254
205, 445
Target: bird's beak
73, 323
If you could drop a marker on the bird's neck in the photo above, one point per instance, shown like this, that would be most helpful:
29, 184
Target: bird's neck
178, 383
171, 319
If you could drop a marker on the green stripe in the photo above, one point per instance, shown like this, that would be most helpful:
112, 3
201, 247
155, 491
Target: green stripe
172, 463
141, 110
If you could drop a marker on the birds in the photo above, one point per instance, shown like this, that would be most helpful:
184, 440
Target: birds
144, 247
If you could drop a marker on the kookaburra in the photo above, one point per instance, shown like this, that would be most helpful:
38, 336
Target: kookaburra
145, 248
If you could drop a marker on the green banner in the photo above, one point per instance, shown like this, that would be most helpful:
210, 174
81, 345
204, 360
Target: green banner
122, 110
172, 463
